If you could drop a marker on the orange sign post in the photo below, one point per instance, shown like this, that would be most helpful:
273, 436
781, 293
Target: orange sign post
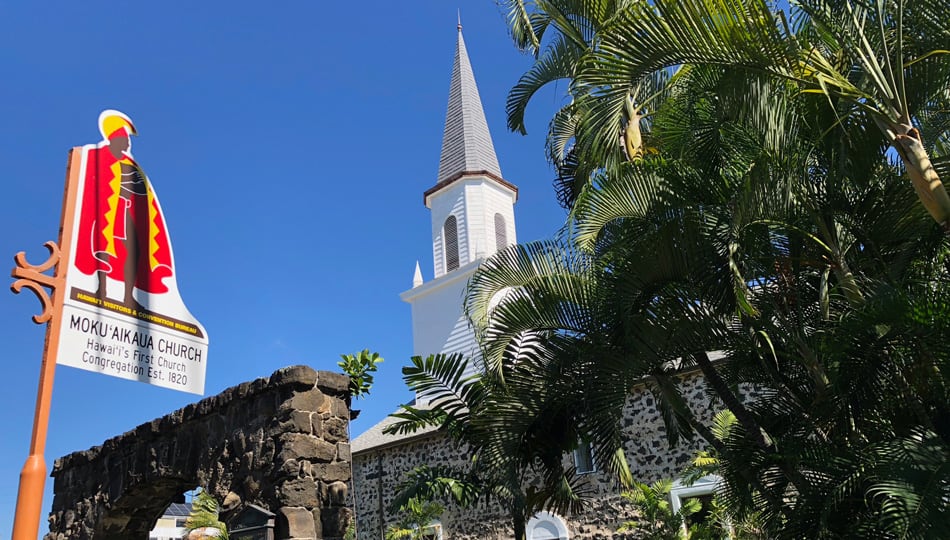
26, 522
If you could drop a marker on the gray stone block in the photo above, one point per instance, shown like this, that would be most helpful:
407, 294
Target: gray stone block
299, 492
310, 400
295, 523
305, 447
333, 383
337, 493
301, 376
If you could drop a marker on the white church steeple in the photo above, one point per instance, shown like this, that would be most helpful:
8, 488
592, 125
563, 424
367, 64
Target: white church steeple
471, 204
472, 209
466, 142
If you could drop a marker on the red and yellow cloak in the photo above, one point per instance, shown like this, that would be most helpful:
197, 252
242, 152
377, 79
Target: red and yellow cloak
102, 224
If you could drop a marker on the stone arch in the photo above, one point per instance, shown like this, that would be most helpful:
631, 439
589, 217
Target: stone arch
280, 444
136, 511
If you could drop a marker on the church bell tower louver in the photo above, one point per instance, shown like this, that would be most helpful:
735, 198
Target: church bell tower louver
472, 209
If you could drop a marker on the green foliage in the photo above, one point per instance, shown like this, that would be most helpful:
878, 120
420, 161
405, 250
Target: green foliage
772, 224
657, 520
722, 522
706, 462
513, 427
885, 64
440, 482
350, 533
360, 367
414, 524
204, 513
583, 137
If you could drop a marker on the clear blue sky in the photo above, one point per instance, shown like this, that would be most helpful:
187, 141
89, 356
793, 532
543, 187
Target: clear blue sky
290, 144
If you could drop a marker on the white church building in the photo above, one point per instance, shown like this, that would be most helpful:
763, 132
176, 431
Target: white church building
472, 209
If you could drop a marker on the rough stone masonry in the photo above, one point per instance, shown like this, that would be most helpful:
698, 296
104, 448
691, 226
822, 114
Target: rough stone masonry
280, 443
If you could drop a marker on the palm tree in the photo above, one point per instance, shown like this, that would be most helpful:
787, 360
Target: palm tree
581, 140
707, 463
516, 439
416, 522
831, 441
788, 252
884, 64
657, 237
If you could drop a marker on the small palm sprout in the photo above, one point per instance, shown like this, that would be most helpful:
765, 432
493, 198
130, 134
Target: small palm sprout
203, 521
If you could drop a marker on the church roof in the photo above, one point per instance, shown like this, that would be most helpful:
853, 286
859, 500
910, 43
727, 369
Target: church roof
374, 437
466, 142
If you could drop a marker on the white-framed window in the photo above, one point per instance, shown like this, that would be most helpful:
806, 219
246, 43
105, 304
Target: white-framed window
450, 235
546, 526
584, 459
703, 489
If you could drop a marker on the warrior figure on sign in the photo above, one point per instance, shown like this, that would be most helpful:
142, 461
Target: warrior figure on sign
121, 233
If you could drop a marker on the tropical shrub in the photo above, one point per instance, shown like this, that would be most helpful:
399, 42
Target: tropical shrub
360, 368
416, 520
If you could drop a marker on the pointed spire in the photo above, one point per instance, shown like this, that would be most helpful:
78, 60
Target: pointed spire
466, 142
417, 277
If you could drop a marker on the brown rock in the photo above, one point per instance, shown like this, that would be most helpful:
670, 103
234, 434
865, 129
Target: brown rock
338, 408
299, 422
335, 429
295, 523
311, 400
258, 443
343, 452
318, 522
337, 493
332, 472
302, 376
316, 423
333, 383
335, 521
299, 492
304, 447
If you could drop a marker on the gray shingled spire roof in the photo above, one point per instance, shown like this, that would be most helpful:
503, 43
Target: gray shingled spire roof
466, 142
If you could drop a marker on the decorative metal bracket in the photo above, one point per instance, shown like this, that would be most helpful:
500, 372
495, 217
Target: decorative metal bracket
33, 277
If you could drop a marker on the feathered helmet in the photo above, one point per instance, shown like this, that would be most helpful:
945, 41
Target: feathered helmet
114, 124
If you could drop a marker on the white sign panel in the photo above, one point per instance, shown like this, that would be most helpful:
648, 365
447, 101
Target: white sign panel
122, 314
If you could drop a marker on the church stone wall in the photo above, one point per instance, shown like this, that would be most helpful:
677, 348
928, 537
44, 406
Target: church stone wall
377, 473
279, 443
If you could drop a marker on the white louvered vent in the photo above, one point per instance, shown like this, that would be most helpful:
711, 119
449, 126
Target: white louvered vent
501, 233
451, 235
